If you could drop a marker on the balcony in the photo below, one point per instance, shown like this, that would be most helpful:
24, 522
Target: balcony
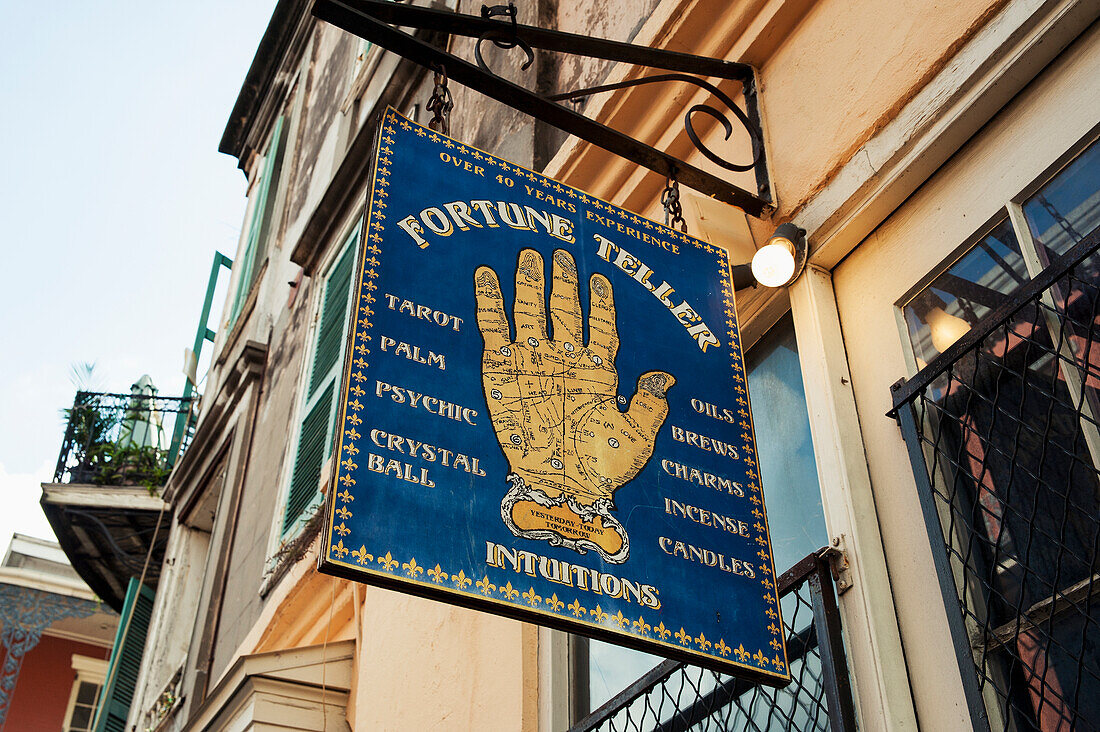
104, 502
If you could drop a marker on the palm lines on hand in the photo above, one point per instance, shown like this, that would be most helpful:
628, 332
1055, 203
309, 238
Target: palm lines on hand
553, 402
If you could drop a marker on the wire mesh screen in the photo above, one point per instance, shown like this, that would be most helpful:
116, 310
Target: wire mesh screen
1003, 432
675, 697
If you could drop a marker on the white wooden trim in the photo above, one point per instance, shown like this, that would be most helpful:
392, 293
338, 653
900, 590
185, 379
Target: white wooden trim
979, 80
555, 679
95, 496
1050, 116
90, 669
47, 582
289, 683
870, 620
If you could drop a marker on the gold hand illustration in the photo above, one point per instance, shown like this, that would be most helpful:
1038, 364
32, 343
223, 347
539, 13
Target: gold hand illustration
553, 404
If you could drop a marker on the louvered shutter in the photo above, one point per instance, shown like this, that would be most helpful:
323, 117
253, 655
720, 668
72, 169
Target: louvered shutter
259, 224
310, 458
316, 432
125, 663
330, 334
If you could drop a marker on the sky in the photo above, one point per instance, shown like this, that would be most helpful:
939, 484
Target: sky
113, 200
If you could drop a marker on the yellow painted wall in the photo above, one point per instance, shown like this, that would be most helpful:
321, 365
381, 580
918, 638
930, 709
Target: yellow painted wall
425, 665
419, 664
844, 71
831, 73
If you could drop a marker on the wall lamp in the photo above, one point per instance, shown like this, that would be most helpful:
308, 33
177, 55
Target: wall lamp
778, 263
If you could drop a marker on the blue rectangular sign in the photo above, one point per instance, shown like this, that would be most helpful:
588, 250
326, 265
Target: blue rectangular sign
545, 414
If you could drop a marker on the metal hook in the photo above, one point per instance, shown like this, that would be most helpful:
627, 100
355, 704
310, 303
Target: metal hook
505, 39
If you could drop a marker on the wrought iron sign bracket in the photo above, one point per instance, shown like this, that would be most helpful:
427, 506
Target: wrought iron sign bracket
373, 20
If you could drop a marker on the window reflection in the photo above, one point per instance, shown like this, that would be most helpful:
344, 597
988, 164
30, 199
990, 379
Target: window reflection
979, 281
1068, 207
784, 447
791, 492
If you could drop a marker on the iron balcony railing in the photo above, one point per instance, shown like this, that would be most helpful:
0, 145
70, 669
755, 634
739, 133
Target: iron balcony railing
1004, 441
123, 439
675, 697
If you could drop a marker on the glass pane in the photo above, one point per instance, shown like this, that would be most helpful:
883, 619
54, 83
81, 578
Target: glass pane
979, 281
1068, 207
791, 491
786, 453
612, 668
87, 692
82, 717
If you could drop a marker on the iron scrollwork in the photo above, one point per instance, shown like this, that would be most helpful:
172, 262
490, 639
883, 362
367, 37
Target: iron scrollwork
25, 613
508, 37
380, 21
752, 130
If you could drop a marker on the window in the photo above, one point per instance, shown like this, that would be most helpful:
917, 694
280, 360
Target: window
84, 697
364, 63
970, 288
792, 495
1016, 247
1011, 436
260, 214
85, 694
317, 429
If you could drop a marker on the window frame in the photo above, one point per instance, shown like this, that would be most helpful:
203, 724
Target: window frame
1012, 211
88, 670
263, 204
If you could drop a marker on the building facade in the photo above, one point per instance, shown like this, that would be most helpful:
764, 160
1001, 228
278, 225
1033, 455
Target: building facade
57, 639
941, 158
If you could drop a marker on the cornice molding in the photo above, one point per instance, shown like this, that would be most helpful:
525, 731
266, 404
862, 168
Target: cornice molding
273, 66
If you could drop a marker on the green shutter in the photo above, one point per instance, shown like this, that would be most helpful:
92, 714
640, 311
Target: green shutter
330, 335
259, 224
315, 436
125, 663
312, 446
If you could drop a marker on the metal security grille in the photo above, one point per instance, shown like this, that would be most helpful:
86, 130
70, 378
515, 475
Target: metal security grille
675, 697
1003, 435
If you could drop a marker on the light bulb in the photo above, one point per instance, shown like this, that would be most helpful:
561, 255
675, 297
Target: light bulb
945, 328
773, 263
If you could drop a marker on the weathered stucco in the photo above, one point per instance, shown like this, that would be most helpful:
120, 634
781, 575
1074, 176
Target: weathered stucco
426, 665
848, 67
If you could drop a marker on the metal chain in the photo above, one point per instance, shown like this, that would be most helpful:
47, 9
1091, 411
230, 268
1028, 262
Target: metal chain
674, 210
440, 104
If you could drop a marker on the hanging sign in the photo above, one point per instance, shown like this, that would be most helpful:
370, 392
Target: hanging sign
545, 414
